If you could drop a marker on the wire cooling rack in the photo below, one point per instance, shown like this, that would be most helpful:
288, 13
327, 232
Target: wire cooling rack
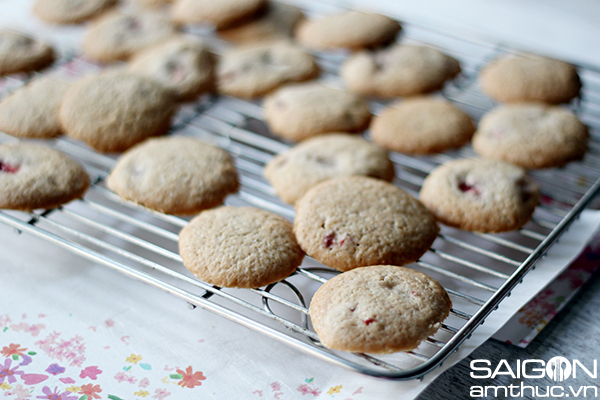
477, 270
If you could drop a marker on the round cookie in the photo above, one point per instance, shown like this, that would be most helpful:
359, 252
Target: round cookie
298, 112
70, 11
254, 71
421, 125
352, 29
325, 157
241, 247
530, 78
398, 70
276, 22
184, 66
378, 309
174, 175
221, 13
34, 176
21, 53
32, 111
531, 135
352, 222
480, 195
113, 111
117, 36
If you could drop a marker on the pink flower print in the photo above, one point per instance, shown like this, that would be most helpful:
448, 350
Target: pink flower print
12, 349
72, 350
306, 389
55, 395
160, 394
4, 320
34, 330
55, 369
109, 323
20, 392
190, 378
91, 372
123, 377
91, 391
275, 386
7, 373
144, 383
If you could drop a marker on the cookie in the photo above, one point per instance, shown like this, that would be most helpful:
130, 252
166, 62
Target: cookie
276, 22
32, 110
113, 111
253, 71
330, 156
153, 3
398, 70
378, 309
34, 176
174, 175
21, 53
422, 125
352, 222
182, 65
240, 247
531, 135
480, 195
352, 30
221, 14
298, 112
117, 36
70, 11
530, 78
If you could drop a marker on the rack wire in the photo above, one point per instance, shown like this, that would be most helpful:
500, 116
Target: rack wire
478, 270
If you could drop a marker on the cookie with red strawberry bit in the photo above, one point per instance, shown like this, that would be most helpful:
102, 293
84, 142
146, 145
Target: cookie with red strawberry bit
480, 195
34, 176
531, 135
378, 309
352, 222
174, 175
182, 65
242, 247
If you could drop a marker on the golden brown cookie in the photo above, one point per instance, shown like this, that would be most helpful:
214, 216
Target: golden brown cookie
298, 112
21, 53
221, 13
352, 222
398, 70
70, 11
532, 135
117, 36
174, 175
352, 29
325, 157
422, 125
113, 111
480, 195
378, 309
241, 247
276, 22
253, 71
182, 65
34, 176
32, 110
530, 78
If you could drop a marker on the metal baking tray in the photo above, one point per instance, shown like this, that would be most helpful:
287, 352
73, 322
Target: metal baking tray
478, 270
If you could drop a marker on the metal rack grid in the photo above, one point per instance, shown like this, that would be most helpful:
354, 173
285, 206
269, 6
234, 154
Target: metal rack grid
478, 270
